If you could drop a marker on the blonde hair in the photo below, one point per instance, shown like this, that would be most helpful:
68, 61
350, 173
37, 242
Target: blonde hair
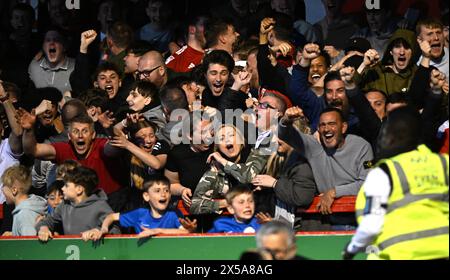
18, 173
238, 135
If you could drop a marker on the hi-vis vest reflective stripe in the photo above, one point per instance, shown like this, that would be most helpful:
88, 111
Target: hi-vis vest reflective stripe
416, 225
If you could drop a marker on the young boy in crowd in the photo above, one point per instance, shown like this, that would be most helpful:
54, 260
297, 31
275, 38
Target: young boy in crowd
241, 205
16, 185
84, 207
156, 220
55, 195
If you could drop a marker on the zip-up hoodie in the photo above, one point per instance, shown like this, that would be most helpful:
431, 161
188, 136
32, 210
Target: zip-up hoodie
76, 218
25, 214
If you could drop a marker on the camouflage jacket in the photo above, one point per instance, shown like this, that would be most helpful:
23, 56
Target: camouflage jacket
214, 184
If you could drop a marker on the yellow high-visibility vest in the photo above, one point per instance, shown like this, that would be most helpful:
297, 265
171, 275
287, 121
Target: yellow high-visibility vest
416, 225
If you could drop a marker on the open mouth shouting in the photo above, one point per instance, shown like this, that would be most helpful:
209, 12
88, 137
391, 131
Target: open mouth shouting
247, 213
230, 150
148, 147
81, 147
110, 91
315, 77
217, 88
46, 118
436, 49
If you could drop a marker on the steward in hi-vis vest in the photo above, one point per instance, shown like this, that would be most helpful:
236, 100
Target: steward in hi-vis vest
402, 208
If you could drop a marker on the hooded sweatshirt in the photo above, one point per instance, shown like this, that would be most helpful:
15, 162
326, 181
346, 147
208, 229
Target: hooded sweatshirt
384, 78
25, 214
76, 218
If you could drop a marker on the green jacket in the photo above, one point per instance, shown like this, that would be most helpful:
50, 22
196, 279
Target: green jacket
382, 77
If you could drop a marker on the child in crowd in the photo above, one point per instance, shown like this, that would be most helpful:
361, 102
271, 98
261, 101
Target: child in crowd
55, 195
242, 206
156, 220
16, 185
83, 210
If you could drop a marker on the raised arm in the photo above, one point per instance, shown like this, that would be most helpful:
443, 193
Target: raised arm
30, 146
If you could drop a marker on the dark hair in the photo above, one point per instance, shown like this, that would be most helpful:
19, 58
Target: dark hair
94, 97
12, 89
400, 133
145, 88
333, 109
49, 93
214, 28
218, 57
385, 96
83, 176
237, 190
397, 97
388, 58
27, 9
331, 76
121, 34
106, 66
143, 123
139, 47
282, 34
326, 56
172, 98
71, 109
155, 179
56, 186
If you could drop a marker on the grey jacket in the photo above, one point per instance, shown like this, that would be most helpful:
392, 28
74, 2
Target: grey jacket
81, 217
25, 214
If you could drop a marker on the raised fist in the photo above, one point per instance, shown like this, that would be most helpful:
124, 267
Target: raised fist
87, 37
266, 25
437, 80
371, 57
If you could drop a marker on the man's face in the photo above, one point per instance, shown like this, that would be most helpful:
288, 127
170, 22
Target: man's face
435, 37
20, 21
377, 102
242, 207
231, 37
131, 63
109, 81
146, 139
266, 112
107, 14
158, 196
53, 47
203, 135
217, 77
150, 70
58, 12
137, 101
401, 56
81, 135
48, 116
286, 7
317, 69
375, 20
278, 245
200, 34
252, 68
331, 130
157, 12
335, 95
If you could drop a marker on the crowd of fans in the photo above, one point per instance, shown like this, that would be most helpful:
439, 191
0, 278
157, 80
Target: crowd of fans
96, 102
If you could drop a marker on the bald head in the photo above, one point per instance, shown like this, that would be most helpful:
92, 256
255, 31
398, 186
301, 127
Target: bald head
151, 68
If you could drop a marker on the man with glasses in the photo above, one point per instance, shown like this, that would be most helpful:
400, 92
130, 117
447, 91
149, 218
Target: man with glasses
151, 68
277, 239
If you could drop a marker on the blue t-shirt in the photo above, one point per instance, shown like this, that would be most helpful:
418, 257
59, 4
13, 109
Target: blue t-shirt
230, 225
143, 217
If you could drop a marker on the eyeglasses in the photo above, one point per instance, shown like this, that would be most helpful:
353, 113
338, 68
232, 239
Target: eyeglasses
265, 105
146, 73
